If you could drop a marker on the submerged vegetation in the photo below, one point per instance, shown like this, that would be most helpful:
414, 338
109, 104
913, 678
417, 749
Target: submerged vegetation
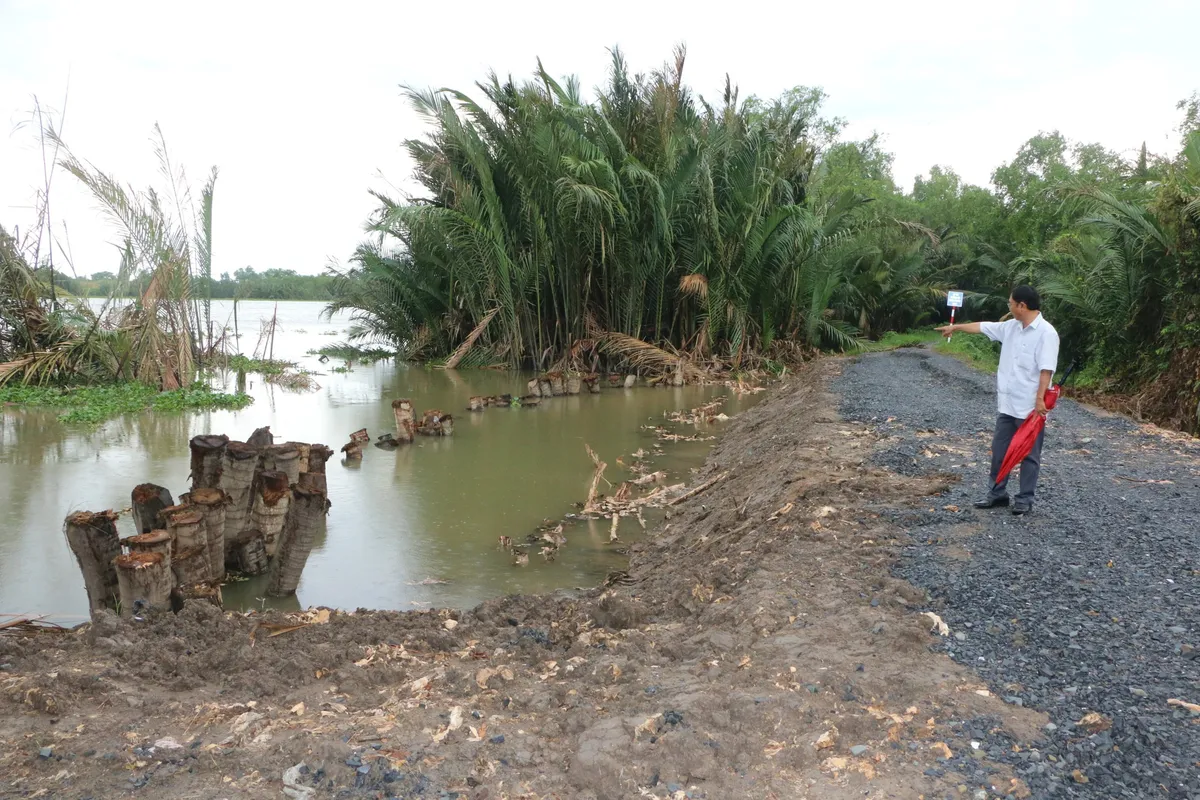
95, 404
349, 352
654, 227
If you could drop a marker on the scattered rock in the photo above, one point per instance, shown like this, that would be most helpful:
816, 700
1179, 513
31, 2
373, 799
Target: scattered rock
858, 749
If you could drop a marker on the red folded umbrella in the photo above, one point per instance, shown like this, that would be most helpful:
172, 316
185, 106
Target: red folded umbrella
1023, 440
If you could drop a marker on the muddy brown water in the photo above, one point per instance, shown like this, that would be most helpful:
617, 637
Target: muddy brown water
432, 510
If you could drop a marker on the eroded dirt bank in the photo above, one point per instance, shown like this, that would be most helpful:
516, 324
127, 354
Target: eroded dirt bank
759, 648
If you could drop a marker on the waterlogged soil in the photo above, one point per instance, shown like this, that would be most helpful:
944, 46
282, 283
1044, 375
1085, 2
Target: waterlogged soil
758, 646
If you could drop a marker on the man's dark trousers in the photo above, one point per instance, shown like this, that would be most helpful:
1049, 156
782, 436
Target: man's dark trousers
1006, 427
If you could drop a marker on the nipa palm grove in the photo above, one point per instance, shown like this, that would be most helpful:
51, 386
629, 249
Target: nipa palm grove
654, 228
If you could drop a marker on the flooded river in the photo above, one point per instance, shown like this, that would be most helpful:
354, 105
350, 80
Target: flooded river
431, 510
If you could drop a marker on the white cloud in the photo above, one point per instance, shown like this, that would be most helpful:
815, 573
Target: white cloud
299, 105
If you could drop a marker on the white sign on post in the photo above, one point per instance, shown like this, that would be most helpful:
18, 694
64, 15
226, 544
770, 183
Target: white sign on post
954, 299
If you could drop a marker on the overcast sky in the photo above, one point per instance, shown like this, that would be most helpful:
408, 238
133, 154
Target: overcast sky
299, 107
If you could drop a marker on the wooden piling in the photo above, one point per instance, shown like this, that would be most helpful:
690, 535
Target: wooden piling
353, 451
574, 383
94, 540
630, 380
592, 381
143, 576
271, 501
208, 454
544, 387
211, 503
403, 411
147, 500
476, 403
305, 519
534, 387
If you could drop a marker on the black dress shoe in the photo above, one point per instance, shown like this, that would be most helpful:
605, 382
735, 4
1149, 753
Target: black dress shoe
991, 502
1021, 508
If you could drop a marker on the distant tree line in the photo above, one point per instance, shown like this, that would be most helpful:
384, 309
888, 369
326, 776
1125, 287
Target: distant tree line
245, 283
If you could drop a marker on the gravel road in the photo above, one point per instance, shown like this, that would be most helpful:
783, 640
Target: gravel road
1088, 606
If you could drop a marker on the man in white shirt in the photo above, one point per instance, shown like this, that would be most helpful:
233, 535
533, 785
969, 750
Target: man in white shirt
1028, 359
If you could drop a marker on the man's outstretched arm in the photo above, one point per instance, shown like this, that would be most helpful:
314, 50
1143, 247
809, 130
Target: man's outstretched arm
960, 327
1039, 400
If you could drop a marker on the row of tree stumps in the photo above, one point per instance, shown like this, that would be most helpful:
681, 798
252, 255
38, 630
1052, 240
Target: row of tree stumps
433, 422
552, 384
254, 507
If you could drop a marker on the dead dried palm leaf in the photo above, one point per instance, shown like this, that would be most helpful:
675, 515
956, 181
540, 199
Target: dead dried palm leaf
469, 342
694, 284
638, 353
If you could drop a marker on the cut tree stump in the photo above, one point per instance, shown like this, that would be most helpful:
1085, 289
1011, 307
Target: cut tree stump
592, 381
150, 542
262, 437
271, 502
630, 381
190, 566
403, 411
318, 454
304, 450
237, 481
305, 520
143, 576
574, 383
94, 540
283, 458
147, 500
314, 482
186, 526
204, 593
249, 554
208, 455
476, 403
436, 422
211, 503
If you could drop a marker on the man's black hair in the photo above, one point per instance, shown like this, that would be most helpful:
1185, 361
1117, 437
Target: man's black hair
1029, 296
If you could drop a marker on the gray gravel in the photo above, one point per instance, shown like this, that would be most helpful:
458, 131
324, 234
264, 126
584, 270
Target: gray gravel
1090, 604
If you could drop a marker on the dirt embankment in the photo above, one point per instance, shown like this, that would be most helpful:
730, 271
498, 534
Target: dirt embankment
758, 648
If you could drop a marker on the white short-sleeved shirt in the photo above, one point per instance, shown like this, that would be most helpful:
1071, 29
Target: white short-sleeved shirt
1025, 350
